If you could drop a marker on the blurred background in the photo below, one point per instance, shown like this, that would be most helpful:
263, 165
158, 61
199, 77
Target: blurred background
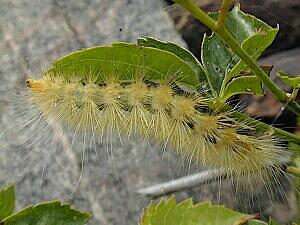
33, 33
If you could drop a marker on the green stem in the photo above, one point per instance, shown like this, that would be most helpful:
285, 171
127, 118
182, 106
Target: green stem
198, 13
294, 93
266, 128
261, 126
224, 34
223, 12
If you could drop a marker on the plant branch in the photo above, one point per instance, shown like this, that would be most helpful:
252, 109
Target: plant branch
223, 12
182, 183
224, 34
198, 13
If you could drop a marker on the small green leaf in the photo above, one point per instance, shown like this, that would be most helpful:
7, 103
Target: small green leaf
127, 59
254, 46
168, 212
245, 83
183, 53
221, 63
216, 59
7, 201
291, 81
46, 214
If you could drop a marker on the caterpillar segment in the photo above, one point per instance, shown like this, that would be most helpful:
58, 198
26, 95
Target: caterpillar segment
158, 110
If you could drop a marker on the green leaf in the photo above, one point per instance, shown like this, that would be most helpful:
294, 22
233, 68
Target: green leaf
254, 46
7, 201
216, 59
221, 63
246, 83
243, 85
46, 214
168, 212
291, 81
183, 53
127, 59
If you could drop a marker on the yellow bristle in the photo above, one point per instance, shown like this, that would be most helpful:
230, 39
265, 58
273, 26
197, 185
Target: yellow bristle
160, 105
139, 118
112, 109
206, 125
244, 155
67, 105
183, 113
183, 109
44, 95
204, 133
88, 114
161, 97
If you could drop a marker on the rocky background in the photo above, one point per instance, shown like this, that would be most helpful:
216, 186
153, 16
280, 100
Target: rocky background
35, 32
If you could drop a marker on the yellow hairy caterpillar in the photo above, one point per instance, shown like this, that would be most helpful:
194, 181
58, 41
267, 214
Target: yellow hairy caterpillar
96, 94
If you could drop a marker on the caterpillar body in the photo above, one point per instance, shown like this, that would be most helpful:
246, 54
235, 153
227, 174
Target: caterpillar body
160, 105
